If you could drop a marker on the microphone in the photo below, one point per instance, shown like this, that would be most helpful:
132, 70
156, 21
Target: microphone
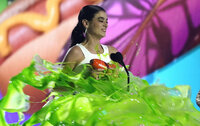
117, 57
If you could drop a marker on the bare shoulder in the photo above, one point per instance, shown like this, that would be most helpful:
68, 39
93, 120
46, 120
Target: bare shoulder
74, 56
112, 49
74, 50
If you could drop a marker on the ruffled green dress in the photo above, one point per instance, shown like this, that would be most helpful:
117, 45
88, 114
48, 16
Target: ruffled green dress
103, 102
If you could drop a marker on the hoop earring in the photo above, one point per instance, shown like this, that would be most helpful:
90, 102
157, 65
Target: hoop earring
85, 32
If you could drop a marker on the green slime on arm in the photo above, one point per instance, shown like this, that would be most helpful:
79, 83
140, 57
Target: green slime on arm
91, 102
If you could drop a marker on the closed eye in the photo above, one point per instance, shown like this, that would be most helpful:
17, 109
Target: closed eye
102, 19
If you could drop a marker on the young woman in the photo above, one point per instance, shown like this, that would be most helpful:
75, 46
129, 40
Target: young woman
86, 36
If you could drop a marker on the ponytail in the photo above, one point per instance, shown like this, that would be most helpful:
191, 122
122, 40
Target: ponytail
77, 34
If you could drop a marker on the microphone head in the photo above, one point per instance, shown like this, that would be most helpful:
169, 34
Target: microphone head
117, 57
113, 57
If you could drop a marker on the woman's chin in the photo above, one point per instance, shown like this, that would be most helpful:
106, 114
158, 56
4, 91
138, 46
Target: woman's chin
102, 35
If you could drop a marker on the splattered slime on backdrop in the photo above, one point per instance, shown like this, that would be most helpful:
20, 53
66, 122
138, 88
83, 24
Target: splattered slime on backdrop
97, 102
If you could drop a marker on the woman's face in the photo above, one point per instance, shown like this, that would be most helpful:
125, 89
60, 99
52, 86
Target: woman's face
98, 25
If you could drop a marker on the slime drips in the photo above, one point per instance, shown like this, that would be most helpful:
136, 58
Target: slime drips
91, 102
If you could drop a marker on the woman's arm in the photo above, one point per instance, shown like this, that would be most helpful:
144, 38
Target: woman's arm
74, 57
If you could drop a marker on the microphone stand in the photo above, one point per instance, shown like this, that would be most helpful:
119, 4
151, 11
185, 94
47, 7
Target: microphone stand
117, 57
128, 77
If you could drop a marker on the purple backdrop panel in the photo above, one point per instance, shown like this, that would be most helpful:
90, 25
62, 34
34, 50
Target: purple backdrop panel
150, 34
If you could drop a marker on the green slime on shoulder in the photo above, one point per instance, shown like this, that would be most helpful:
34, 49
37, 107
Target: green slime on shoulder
103, 102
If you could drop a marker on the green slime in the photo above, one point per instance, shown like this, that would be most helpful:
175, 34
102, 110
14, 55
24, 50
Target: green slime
3, 5
103, 102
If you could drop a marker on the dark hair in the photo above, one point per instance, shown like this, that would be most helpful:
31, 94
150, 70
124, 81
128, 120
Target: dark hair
87, 12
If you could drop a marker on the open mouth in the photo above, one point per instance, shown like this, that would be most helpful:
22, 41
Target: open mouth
104, 30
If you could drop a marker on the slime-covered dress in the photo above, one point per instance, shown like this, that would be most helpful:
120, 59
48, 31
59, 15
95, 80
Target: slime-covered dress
103, 102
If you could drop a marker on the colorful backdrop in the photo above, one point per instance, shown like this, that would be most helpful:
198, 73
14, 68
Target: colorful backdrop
159, 39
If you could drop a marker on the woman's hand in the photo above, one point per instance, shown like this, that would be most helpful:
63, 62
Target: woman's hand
97, 74
101, 69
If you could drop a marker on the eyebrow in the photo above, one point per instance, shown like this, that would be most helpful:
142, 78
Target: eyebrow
102, 18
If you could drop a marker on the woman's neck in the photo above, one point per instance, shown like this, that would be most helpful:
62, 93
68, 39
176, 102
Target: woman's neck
93, 44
